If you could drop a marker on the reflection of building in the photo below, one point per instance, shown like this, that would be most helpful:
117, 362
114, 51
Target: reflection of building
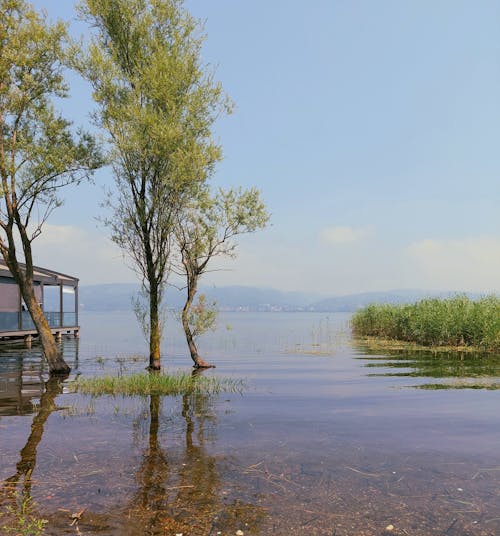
21, 380
23, 373
56, 292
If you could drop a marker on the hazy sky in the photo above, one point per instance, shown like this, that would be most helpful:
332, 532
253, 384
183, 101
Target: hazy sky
372, 130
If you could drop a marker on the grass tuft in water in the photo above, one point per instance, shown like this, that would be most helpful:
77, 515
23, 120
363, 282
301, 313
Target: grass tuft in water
457, 322
22, 519
492, 386
155, 384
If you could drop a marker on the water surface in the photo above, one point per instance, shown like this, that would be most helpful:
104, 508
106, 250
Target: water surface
327, 438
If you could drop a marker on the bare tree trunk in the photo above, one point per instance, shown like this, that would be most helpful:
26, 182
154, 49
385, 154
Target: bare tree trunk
57, 365
193, 350
154, 328
27, 463
24, 280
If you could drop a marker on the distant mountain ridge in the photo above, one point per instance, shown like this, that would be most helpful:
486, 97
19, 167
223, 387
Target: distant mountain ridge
118, 296
353, 302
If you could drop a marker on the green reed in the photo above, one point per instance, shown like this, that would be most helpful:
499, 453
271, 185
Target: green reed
455, 322
22, 519
155, 384
491, 386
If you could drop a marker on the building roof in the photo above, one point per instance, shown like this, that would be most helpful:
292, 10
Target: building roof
42, 275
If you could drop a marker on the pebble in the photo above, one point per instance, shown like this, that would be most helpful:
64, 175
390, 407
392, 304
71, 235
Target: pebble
239, 533
389, 528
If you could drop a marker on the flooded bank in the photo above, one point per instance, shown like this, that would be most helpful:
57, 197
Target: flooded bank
318, 442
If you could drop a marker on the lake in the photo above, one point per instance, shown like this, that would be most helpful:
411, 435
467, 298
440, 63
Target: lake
326, 438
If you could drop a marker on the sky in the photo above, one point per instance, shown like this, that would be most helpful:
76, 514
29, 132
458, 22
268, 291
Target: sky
372, 130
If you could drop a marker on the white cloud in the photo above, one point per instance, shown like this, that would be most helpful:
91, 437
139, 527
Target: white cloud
345, 234
471, 264
302, 264
464, 264
265, 259
88, 255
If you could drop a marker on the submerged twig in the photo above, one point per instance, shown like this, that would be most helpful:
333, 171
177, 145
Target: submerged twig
376, 475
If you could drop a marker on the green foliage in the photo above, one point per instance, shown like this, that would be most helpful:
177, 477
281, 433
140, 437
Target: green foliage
206, 228
38, 151
157, 103
140, 307
154, 384
492, 386
141, 312
457, 321
208, 225
22, 520
202, 316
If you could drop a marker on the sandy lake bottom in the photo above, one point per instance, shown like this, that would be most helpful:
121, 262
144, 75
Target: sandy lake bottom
326, 438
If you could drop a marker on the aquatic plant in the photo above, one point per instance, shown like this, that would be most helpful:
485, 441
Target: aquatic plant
455, 322
489, 386
22, 520
154, 384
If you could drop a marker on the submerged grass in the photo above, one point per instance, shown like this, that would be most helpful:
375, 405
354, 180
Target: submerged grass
393, 345
489, 386
155, 384
457, 323
22, 519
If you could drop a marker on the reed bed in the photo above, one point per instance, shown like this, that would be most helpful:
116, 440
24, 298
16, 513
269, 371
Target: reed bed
454, 322
155, 384
489, 386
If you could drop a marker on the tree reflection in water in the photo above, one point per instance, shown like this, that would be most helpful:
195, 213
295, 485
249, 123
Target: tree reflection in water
16, 490
183, 493
179, 486
23, 372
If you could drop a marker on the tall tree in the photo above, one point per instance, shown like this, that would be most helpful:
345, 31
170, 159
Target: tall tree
157, 102
38, 152
206, 229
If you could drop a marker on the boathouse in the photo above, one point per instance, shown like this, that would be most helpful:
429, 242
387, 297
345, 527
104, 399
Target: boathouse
57, 293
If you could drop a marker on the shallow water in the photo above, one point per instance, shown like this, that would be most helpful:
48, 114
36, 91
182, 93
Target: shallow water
327, 438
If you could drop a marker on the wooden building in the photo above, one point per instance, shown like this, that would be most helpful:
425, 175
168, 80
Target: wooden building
56, 292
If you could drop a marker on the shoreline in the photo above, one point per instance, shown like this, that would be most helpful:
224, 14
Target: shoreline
382, 343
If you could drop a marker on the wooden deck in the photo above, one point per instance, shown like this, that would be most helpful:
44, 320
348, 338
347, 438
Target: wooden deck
22, 334
15, 320
18, 388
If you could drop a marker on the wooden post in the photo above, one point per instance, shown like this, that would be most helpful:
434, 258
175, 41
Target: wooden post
76, 305
20, 315
27, 340
61, 305
43, 300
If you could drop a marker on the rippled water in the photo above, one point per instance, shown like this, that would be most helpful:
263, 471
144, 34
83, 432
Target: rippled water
327, 438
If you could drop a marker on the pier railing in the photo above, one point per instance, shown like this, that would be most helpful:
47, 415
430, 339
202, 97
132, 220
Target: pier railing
12, 321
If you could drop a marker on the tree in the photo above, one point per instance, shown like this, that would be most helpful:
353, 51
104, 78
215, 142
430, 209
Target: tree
38, 152
206, 229
157, 103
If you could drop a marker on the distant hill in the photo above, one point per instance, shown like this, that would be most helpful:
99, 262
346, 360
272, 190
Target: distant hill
254, 298
117, 297
110, 297
353, 302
